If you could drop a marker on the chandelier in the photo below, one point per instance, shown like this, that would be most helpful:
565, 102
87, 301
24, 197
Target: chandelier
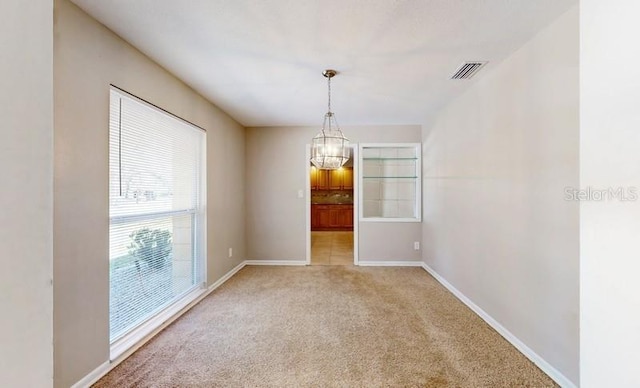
329, 148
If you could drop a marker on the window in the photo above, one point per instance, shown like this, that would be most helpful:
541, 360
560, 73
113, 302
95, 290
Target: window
390, 182
156, 221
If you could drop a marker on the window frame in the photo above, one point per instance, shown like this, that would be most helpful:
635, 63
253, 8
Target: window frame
125, 340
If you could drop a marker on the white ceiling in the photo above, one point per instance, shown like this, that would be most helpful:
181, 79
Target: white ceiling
262, 60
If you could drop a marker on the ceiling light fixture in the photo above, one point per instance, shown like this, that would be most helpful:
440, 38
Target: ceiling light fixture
330, 148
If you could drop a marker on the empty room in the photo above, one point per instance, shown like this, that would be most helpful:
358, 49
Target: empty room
319, 193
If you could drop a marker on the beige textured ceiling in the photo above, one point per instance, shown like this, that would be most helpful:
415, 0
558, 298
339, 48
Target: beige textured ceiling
261, 60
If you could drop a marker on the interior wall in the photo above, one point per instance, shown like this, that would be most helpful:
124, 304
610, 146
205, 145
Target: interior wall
496, 163
87, 58
610, 227
26, 198
276, 170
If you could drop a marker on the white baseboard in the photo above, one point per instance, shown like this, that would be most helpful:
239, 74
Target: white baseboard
226, 277
107, 366
275, 262
374, 263
123, 347
94, 376
552, 372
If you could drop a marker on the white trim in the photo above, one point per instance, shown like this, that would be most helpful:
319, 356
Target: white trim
107, 366
275, 262
201, 218
94, 375
540, 362
307, 203
356, 203
149, 327
149, 216
226, 277
376, 263
389, 219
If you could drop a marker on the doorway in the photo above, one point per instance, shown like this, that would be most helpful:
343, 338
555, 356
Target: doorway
331, 213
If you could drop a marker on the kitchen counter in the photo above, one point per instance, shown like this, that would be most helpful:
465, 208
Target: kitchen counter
332, 197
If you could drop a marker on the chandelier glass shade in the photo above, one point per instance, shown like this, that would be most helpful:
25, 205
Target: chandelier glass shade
330, 148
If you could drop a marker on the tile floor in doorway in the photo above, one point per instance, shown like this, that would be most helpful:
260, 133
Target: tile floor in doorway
331, 248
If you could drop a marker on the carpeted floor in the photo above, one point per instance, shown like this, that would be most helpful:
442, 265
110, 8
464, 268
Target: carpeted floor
328, 326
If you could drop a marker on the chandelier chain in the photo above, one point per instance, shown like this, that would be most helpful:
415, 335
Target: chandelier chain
329, 148
329, 99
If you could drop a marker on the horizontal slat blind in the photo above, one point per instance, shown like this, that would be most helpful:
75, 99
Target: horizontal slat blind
155, 168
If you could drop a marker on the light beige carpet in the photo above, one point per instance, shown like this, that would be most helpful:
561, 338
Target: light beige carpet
323, 326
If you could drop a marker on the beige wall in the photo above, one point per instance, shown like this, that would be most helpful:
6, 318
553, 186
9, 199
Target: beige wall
26, 198
609, 158
87, 58
276, 170
496, 163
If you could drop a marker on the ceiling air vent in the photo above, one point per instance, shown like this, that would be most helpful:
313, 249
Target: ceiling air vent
468, 70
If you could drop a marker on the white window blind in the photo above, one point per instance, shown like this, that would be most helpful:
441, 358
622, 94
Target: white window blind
155, 211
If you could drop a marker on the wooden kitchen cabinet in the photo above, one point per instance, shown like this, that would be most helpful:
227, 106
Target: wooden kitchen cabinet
335, 179
315, 220
347, 179
313, 177
324, 216
331, 217
344, 217
322, 179
340, 179
347, 217
319, 179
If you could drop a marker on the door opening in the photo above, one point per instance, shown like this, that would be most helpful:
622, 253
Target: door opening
331, 204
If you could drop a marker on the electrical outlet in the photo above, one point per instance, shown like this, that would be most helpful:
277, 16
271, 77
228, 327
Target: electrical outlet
230, 252
416, 245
